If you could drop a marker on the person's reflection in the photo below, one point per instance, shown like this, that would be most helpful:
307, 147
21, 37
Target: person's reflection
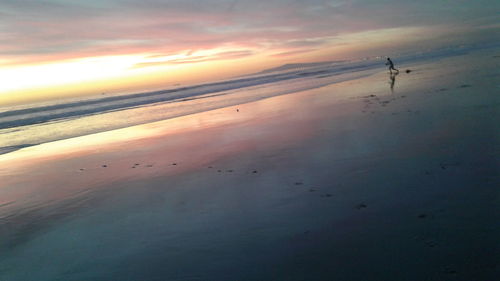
392, 76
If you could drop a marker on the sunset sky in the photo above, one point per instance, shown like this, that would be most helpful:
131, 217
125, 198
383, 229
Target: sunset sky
57, 48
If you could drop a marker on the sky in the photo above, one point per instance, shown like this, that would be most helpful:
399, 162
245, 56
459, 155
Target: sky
52, 49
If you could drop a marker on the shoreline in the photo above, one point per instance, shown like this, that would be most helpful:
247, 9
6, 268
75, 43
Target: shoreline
40, 133
167, 110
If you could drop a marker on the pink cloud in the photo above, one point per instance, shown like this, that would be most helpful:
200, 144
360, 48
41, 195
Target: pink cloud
35, 31
197, 59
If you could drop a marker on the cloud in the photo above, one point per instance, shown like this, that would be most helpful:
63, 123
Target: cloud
34, 30
189, 58
291, 53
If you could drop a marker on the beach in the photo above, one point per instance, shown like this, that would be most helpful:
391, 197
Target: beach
371, 178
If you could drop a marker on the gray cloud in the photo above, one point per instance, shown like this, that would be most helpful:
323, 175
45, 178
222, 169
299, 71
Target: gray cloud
44, 29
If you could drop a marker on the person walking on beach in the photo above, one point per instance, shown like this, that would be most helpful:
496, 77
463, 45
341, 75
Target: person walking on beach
391, 65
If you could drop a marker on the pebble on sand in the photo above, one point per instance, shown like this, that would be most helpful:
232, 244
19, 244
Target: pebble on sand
361, 206
448, 270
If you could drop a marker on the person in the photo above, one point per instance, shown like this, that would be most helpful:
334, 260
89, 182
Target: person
391, 65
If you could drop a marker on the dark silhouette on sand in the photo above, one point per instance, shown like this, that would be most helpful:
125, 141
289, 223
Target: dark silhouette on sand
391, 65
392, 81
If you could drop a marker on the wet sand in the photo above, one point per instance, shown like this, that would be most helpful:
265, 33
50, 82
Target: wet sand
361, 180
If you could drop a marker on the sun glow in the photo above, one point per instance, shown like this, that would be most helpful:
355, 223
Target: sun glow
107, 73
67, 72
91, 69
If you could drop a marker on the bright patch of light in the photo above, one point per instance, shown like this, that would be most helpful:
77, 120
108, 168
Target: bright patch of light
75, 71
